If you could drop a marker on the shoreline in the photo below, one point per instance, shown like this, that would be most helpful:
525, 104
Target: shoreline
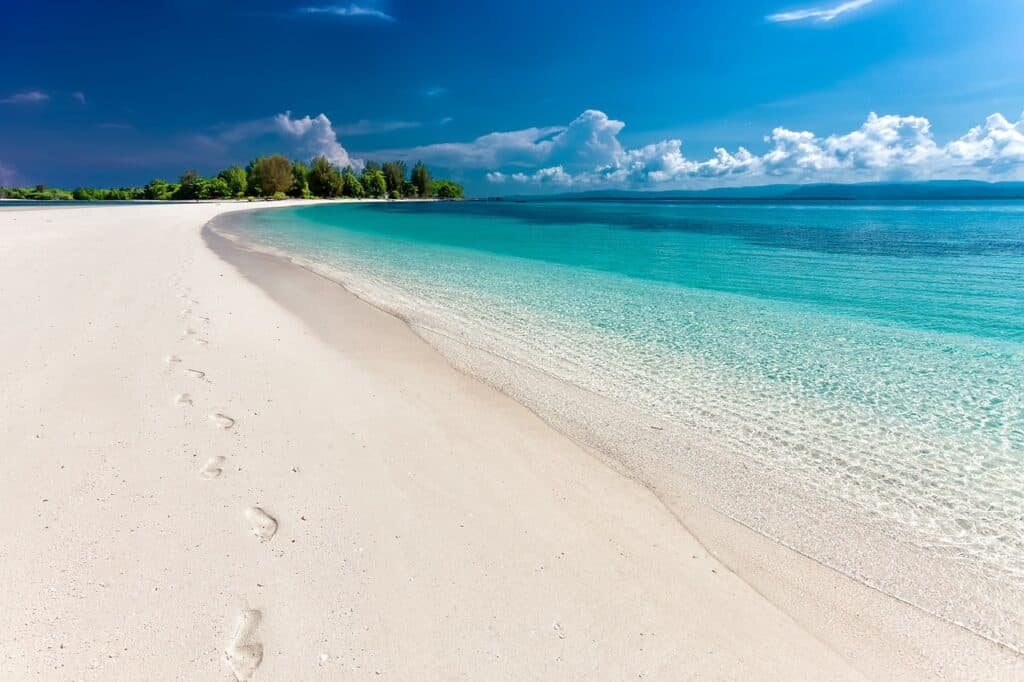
161, 403
811, 592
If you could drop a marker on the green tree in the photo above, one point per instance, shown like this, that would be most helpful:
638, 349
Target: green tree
269, 175
114, 194
189, 186
324, 179
421, 179
394, 175
86, 194
300, 181
350, 185
158, 190
374, 183
217, 188
446, 189
236, 180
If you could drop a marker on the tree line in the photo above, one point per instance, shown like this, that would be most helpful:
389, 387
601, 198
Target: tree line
270, 177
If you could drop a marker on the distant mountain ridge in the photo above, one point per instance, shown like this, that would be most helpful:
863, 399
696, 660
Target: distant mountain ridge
933, 189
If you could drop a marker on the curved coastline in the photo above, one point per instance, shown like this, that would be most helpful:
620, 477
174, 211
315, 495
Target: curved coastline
872, 620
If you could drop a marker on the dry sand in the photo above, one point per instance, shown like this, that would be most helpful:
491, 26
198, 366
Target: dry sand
208, 479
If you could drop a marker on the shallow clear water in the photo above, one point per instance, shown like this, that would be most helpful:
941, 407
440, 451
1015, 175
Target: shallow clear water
868, 356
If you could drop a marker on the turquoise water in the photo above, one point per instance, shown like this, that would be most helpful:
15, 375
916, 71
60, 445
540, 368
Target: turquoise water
863, 362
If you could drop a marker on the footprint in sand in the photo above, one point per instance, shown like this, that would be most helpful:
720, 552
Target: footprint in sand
213, 469
263, 525
222, 421
196, 373
183, 399
244, 654
194, 335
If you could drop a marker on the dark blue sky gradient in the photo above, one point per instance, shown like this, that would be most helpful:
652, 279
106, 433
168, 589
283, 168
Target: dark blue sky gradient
163, 79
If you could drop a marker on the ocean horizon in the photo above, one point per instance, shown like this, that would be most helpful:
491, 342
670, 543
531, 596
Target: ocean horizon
845, 378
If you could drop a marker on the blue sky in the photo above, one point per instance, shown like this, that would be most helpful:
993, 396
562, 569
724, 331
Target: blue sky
518, 97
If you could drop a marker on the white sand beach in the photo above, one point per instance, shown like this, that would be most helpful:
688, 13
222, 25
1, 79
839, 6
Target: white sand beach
216, 465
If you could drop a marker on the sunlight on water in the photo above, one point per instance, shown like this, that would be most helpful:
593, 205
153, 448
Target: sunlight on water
869, 356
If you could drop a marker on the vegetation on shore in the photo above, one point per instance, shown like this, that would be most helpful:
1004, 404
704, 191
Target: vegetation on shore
269, 177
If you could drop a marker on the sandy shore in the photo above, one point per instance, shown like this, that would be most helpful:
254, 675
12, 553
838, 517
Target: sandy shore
218, 465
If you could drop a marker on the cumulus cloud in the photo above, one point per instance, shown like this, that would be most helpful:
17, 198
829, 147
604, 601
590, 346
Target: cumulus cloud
25, 97
819, 14
315, 136
591, 139
352, 10
998, 145
306, 136
588, 152
555, 175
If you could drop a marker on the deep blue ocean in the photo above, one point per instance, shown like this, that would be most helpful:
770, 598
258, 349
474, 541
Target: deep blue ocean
870, 354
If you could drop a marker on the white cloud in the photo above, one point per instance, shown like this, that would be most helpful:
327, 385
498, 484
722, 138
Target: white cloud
555, 175
590, 139
588, 152
998, 145
819, 14
25, 97
529, 146
306, 136
725, 163
885, 142
315, 136
78, 97
352, 10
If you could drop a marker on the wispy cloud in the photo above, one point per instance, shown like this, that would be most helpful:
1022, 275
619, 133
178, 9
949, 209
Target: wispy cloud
367, 127
434, 91
8, 176
352, 10
26, 97
819, 14
78, 97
